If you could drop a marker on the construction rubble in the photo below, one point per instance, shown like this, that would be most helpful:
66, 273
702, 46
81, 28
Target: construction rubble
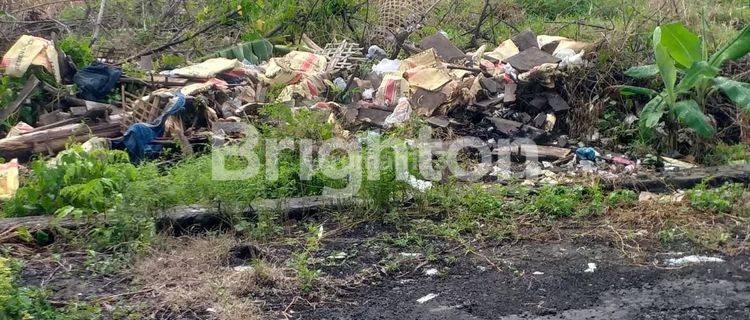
502, 95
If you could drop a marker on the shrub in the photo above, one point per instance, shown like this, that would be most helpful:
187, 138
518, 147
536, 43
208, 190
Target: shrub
552, 8
566, 201
557, 201
88, 181
720, 199
678, 51
78, 49
170, 61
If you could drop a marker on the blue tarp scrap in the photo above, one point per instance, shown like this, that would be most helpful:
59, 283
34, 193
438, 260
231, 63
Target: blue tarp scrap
137, 139
97, 80
586, 154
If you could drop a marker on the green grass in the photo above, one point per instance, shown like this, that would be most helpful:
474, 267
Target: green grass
721, 199
622, 198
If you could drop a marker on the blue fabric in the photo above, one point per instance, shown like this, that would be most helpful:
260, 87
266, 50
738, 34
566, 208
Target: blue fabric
137, 139
586, 154
96, 81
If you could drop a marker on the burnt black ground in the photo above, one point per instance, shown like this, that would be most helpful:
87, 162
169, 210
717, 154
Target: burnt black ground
618, 289
380, 278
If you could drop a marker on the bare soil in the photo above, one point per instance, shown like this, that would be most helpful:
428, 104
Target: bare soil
364, 275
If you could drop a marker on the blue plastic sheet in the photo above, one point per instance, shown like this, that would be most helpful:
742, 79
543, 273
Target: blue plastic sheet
96, 81
137, 139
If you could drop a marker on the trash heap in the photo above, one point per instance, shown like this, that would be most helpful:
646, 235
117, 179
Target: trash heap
505, 93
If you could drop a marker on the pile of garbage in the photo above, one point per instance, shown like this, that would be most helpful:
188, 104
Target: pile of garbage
505, 93
507, 96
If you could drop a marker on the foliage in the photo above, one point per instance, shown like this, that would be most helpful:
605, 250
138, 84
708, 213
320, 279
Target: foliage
294, 17
78, 49
169, 62
556, 201
77, 182
566, 201
551, 9
267, 225
723, 154
679, 51
720, 199
478, 200
17, 302
621, 198
306, 274
304, 123
9, 88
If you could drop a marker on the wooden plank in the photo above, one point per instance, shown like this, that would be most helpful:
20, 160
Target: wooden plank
544, 152
28, 87
55, 139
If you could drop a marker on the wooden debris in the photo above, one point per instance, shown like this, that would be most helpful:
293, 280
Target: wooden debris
544, 152
196, 218
55, 139
28, 87
506, 127
522, 151
145, 110
342, 56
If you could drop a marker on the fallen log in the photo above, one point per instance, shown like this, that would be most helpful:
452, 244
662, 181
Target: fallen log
683, 179
195, 218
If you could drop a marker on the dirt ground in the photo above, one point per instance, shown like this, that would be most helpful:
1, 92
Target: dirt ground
547, 281
372, 271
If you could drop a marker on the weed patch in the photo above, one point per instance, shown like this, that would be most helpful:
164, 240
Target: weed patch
721, 199
622, 198
78, 182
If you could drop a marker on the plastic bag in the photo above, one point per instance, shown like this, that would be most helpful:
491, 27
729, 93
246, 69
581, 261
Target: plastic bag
29, 51
294, 67
401, 114
207, 69
8, 179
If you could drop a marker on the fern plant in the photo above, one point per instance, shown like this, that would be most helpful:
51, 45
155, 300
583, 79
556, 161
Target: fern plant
87, 181
680, 53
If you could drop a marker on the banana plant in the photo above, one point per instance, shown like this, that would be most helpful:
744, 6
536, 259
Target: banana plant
680, 53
